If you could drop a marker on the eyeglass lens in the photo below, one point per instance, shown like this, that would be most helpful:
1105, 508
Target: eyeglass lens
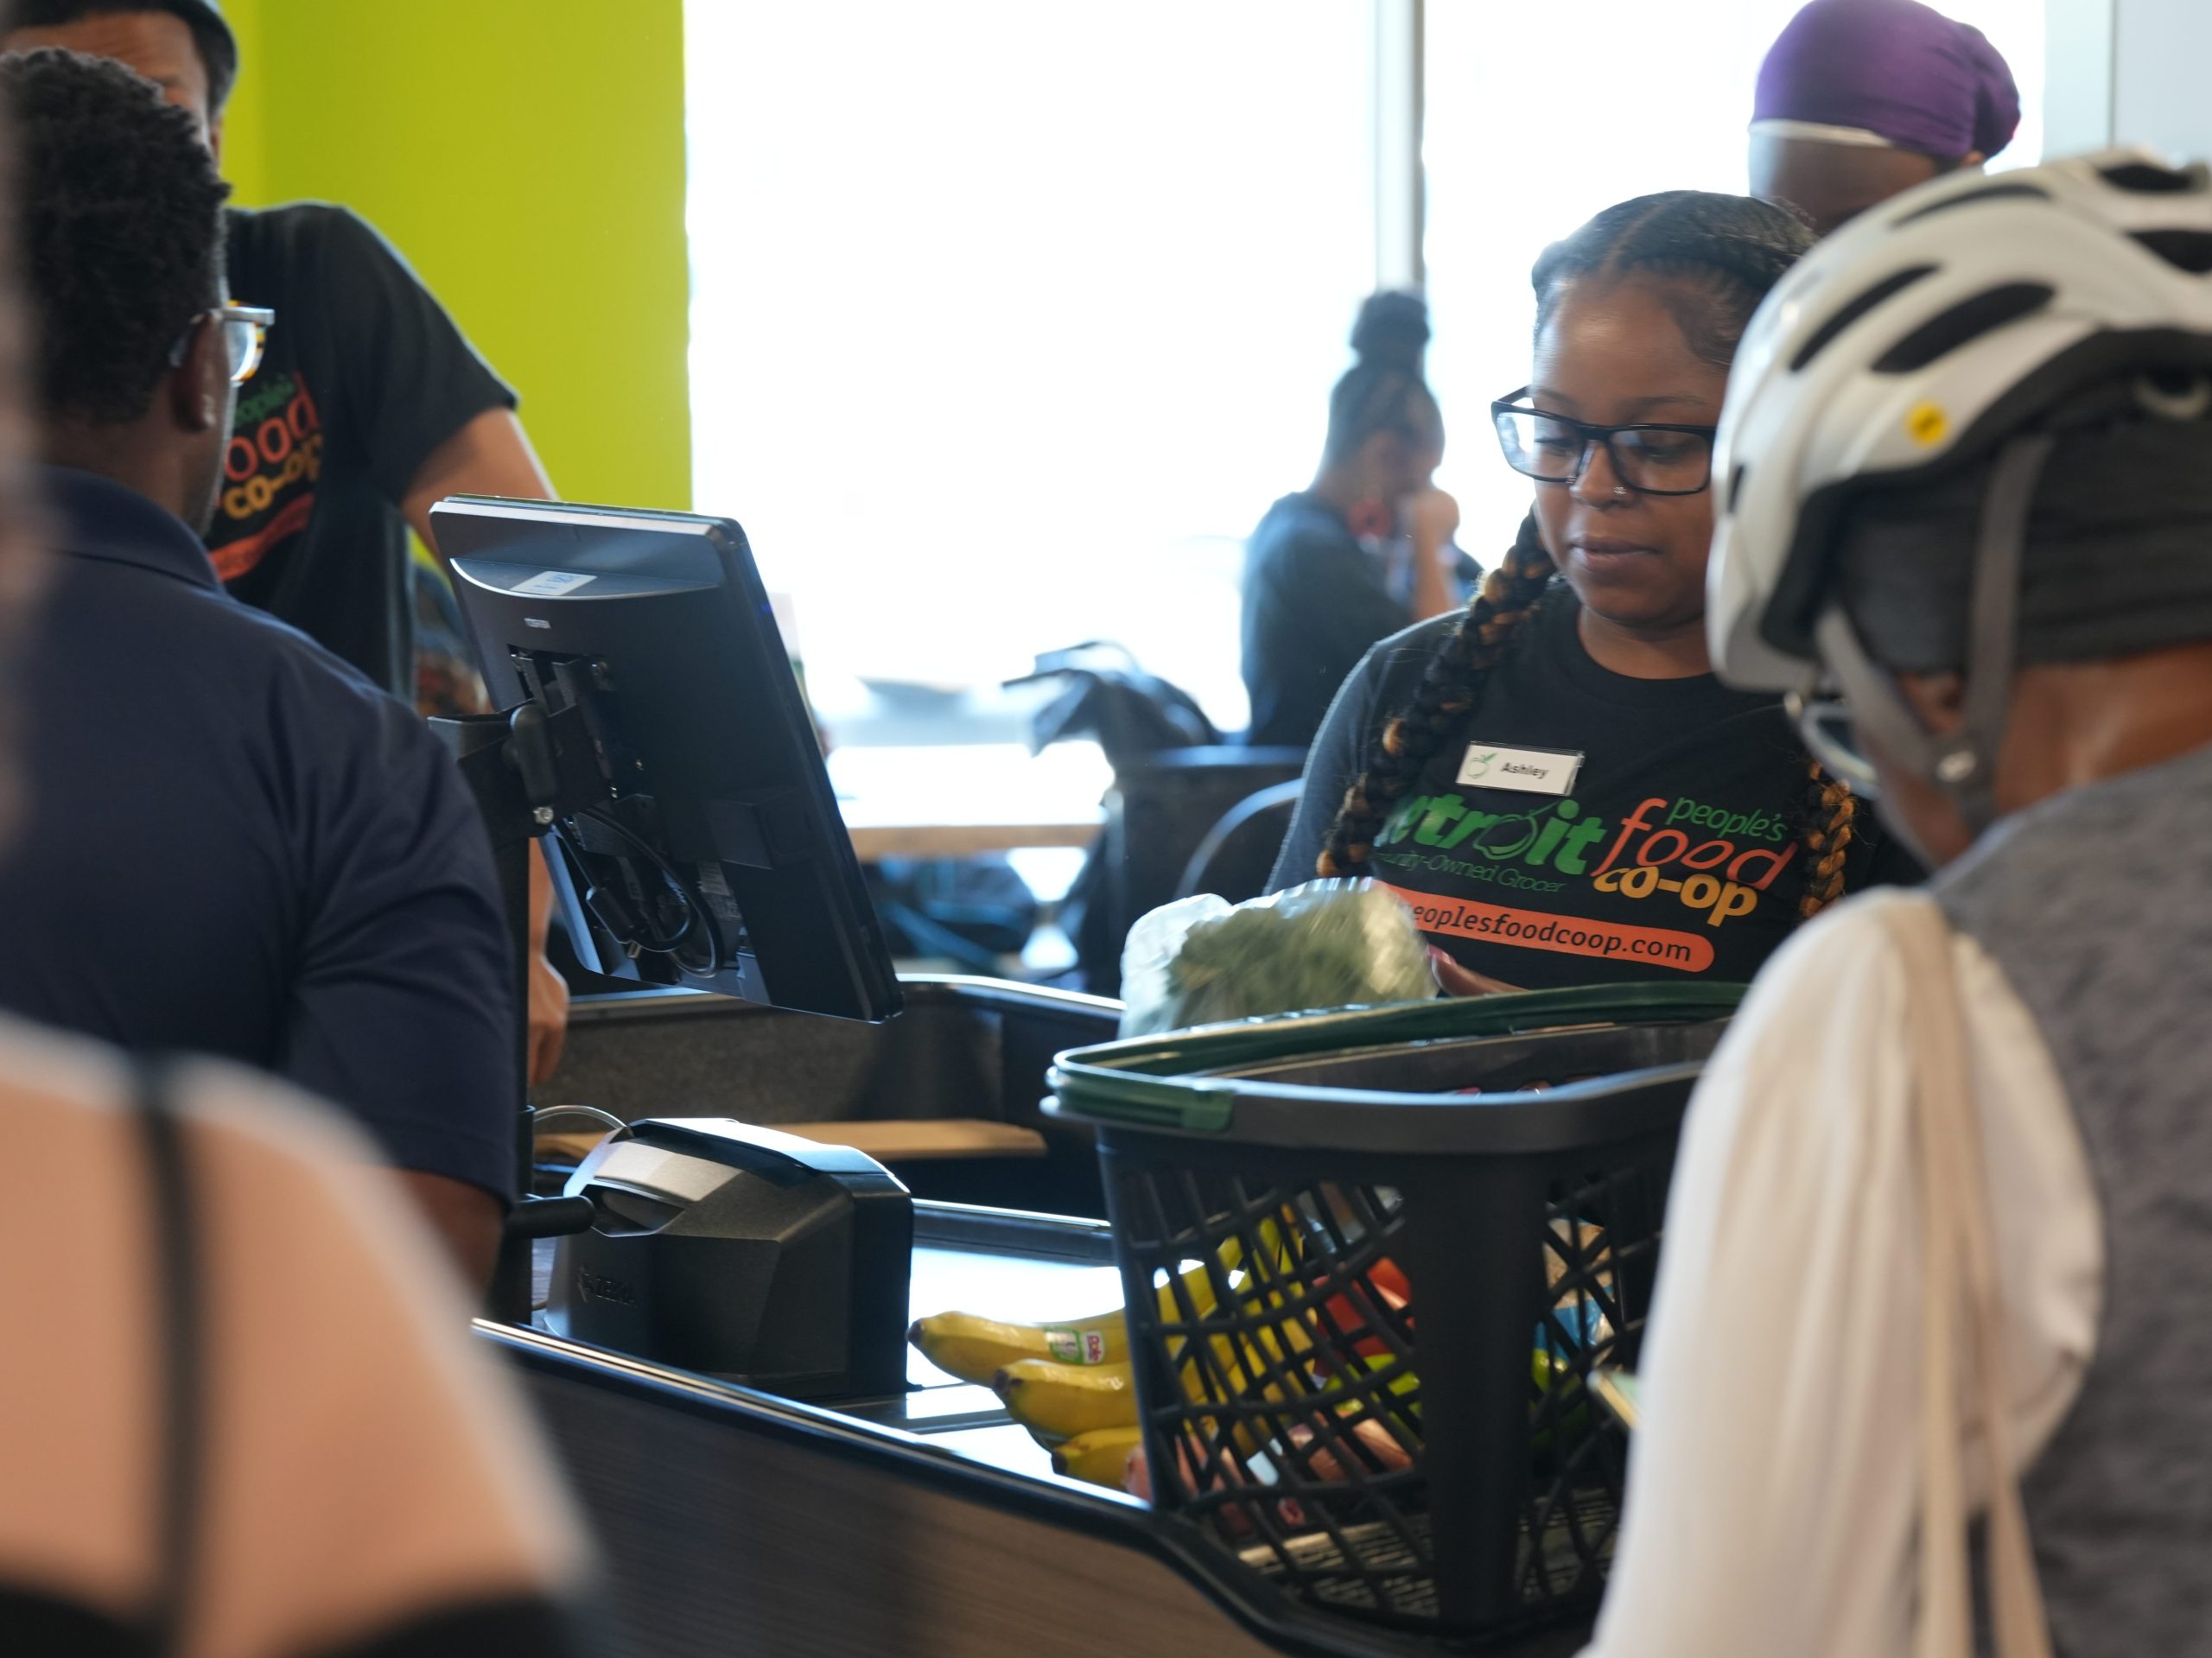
242, 340
1554, 451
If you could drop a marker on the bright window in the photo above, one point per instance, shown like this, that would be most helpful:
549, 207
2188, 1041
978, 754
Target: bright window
1009, 320
1537, 116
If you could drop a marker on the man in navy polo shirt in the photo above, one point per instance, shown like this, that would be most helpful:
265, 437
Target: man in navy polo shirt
234, 843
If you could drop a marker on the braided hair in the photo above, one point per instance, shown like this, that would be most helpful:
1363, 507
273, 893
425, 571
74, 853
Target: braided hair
1383, 390
1447, 692
1717, 256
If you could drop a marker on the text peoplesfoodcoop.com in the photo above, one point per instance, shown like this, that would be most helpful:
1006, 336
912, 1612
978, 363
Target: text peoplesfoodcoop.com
1565, 935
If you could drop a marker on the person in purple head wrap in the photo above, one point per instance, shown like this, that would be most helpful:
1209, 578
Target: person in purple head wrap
1860, 99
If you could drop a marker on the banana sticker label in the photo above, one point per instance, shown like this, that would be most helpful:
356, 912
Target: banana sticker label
1077, 1346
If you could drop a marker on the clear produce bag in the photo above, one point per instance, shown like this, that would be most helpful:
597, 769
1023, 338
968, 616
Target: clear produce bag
1328, 943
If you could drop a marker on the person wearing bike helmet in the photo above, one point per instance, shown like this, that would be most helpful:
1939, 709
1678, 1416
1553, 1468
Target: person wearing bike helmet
1968, 443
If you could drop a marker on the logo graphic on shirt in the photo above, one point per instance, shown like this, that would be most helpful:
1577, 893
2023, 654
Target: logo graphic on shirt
270, 470
1715, 863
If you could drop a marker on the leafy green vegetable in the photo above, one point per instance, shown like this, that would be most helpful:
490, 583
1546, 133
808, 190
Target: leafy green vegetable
1325, 945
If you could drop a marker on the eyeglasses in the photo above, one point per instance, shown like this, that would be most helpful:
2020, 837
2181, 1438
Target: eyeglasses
1652, 458
245, 327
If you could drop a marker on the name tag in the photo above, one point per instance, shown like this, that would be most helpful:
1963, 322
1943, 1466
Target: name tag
1531, 771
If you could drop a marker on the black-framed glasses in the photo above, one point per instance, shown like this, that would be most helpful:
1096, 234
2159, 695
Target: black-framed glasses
244, 327
1650, 457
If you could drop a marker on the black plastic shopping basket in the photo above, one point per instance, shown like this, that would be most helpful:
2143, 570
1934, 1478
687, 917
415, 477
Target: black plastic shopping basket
1372, 1258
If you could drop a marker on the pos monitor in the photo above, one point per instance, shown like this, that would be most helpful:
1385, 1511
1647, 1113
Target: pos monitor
662, 741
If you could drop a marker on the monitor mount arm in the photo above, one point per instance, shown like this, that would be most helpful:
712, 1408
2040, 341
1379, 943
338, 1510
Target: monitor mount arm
527, 770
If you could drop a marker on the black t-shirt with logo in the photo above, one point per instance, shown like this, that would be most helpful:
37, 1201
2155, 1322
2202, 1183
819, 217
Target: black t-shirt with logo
1585, 827
364, 376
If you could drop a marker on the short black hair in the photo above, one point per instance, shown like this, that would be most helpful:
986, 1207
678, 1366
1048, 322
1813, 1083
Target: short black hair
211, 35
122, 229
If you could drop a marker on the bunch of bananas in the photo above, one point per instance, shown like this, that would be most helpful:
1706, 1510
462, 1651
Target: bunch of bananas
1068, 1383
1270, 1355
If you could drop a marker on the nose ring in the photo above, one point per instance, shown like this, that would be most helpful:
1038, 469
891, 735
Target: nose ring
1620, 489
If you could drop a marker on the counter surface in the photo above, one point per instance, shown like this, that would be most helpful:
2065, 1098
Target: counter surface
925, 1525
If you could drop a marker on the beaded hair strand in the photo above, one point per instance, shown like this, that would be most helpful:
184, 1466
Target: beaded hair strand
1831, 827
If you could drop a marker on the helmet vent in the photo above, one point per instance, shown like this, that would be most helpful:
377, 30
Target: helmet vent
2145, 178
1992, 192
2191, 250
1967, 321
1736, 487
1845, 315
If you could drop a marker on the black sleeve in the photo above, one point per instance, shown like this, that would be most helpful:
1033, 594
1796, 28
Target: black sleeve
1330, 765
409, 378
1341, 597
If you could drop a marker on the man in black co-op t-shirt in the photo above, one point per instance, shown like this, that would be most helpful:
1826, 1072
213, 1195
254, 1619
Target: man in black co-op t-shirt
364, 382
369, 404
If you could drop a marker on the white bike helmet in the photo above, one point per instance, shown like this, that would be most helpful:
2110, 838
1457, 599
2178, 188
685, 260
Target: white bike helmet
1927, 336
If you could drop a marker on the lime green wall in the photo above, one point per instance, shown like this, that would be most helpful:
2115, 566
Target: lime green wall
246, 142
527, 157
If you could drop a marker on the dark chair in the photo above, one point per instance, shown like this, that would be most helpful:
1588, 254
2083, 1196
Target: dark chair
1238, 854
1160, 810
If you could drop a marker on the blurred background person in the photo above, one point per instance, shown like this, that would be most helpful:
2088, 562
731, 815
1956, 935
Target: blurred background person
243, 1413
370, 407
1860, 99
1362, 552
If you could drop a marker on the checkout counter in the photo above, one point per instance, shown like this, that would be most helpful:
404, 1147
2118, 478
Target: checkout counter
734, 1521
656, 739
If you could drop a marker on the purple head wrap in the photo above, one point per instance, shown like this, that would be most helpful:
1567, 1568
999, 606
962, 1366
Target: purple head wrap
1892, 71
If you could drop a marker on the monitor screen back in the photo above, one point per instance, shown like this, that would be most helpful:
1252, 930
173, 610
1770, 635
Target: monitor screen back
653, 631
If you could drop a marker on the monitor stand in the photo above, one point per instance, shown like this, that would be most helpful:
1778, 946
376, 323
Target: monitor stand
526, 769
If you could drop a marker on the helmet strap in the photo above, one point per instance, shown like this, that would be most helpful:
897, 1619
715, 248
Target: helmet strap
1964, 763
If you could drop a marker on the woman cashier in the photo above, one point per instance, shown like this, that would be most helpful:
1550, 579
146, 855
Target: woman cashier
1553, 779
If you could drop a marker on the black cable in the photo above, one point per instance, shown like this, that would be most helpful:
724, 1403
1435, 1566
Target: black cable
695, 914
177, 1291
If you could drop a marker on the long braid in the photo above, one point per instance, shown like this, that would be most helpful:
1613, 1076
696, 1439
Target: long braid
1451, 685
1832, 825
